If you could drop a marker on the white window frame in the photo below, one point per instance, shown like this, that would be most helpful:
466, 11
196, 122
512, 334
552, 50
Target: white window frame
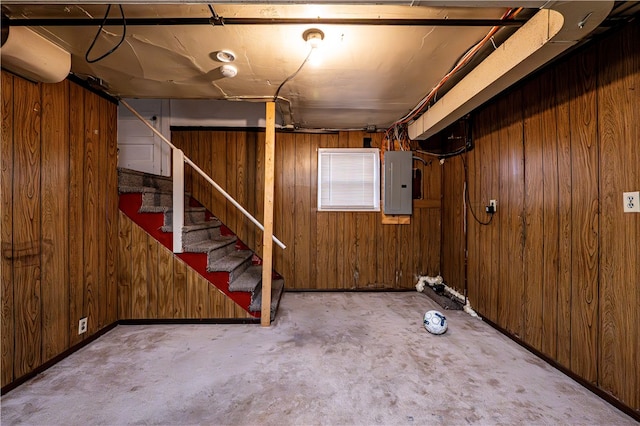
349, 179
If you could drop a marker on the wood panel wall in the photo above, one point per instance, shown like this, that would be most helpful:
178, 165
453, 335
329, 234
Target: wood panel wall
558, 266
155, 284
59, 212
325, 250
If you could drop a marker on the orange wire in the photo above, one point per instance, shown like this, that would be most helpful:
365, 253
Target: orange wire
463, 61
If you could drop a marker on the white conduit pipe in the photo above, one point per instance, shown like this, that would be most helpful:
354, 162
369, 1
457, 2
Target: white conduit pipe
204, 175
427, 281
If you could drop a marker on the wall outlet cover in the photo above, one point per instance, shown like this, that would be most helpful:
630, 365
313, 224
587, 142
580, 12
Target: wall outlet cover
82, 325
631, 202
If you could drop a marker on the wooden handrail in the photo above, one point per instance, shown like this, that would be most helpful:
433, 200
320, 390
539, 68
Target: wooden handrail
203, 174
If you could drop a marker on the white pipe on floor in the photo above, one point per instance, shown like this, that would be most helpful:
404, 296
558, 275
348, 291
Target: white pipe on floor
424, 281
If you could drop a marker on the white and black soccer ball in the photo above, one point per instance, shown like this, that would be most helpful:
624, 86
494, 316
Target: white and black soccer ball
435, 322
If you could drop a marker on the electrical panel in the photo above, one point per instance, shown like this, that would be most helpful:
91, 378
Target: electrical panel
398, 182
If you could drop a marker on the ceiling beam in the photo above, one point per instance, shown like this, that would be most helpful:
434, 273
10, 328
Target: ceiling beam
80, 22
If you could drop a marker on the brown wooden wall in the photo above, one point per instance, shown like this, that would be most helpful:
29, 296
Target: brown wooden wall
325, 250
558, 267
59, 213
154, 284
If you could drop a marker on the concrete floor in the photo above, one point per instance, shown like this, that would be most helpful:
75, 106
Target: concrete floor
330, 358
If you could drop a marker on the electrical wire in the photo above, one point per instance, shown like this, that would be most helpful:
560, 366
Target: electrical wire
419, 108
214, 15
275, 97
95, 39
466, 193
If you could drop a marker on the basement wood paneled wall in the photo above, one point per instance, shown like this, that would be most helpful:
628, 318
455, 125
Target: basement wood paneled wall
558, 267
325, 250
155, 284
59, 213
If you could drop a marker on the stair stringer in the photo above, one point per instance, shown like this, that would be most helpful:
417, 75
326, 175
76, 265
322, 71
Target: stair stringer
210, 248
152, 224
191, 296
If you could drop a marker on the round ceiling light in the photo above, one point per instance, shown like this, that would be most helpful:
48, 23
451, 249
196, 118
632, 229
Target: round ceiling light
225, 56
313, 37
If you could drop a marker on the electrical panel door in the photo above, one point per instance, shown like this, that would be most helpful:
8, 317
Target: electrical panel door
398, 182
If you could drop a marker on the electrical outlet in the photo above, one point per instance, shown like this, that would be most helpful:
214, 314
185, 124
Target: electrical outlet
631, 202
491, 208
82, 325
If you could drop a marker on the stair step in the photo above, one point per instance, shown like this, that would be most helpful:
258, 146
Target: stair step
234, 263
215, 248
149, 196
277, 289
154, 200
249, 280
124, 189
133, 178
197, 226
152, 197
192, 215
197, 232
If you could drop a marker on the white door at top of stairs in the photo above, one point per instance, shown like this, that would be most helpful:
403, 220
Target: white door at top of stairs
138, 147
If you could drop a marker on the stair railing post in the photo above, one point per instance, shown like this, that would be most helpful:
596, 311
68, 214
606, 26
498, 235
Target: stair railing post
178, 199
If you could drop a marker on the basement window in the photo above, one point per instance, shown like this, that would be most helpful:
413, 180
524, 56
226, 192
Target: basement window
349, 179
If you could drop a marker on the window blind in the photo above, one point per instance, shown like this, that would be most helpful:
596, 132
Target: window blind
348, 179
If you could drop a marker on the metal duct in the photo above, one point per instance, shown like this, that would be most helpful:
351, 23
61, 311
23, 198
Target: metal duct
546, 35
33, 57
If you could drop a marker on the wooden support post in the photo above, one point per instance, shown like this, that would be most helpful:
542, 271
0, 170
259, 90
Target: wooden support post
267, 242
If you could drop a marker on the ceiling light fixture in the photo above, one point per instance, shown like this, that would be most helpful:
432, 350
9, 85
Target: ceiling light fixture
225, 56
228, 71
313, 37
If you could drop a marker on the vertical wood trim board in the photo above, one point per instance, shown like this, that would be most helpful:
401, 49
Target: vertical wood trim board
76, 208
7, 324
27, 228
54, 254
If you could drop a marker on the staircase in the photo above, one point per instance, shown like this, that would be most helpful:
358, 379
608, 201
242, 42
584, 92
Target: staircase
209, 247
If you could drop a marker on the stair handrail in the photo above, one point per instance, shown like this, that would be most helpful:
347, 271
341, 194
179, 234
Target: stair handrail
177, 245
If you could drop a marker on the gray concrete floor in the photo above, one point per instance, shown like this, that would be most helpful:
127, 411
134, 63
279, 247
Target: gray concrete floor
330, 358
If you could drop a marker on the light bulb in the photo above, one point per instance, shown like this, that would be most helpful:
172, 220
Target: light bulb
313, 37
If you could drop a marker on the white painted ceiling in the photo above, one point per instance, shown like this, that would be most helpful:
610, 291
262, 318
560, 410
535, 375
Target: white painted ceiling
366, 75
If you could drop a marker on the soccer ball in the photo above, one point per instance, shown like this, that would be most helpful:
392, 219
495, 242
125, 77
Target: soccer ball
435, 322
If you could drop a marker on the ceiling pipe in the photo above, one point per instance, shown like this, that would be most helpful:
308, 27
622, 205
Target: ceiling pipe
83, 22
33, 57
545, 36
